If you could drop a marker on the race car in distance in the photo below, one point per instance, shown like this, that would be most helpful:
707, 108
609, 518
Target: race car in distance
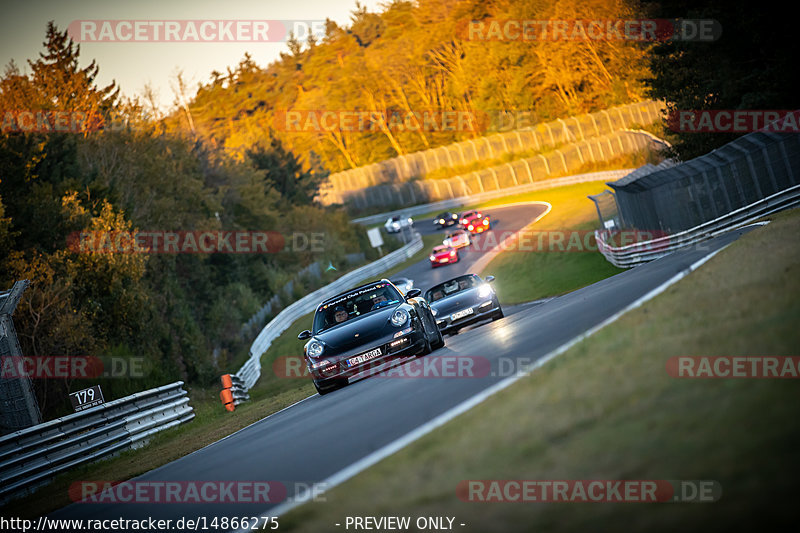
477, 223
443, 255
463, 301
396, 223
445, 219
457, 239
404, 284
464, 217
362, 330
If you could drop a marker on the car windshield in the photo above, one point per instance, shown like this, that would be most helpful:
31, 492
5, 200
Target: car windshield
357, 303
440, 249
451, 287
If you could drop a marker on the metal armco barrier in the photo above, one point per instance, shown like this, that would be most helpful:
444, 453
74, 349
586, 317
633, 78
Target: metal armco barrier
642, 252
29, 458
251, 370
233, 391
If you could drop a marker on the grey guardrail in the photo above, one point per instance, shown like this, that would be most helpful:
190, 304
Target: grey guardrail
239, 390
642, 252
421, 209
251, 370
31, 457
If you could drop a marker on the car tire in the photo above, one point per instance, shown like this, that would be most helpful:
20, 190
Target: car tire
439, 343
427, 348
498, 315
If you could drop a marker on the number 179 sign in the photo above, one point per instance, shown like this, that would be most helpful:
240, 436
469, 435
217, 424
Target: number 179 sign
86, 398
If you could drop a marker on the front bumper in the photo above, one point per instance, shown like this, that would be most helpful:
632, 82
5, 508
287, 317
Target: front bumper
480, 312
444, 261
479, 229
407, 346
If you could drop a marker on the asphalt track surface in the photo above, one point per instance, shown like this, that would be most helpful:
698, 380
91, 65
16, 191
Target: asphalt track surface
318, 437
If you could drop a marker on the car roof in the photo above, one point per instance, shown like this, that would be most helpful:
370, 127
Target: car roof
462, 276
354, 289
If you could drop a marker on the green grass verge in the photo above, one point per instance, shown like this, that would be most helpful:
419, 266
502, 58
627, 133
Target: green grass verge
606, 409
533, 273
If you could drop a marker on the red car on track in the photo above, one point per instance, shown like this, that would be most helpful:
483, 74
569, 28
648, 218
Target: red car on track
476, 223
443, 255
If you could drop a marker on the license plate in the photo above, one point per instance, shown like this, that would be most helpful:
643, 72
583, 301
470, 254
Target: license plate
357, 360
461, 314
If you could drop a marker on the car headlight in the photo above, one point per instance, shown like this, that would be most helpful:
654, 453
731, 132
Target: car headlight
434, 312
314, 349
441, 221
484, 291
432, 258
399, 317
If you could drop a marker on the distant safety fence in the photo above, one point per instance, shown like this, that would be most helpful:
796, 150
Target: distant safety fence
741, 181
540, 137
507, 175
31, 457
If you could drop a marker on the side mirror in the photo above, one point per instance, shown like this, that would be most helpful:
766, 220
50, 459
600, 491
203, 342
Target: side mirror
413, 293
304, 335
489, 279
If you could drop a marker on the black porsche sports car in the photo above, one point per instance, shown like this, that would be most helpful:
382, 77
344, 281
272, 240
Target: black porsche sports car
360, 330
463, 301
443, 220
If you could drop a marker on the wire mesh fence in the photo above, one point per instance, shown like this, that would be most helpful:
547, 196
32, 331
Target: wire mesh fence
747, 170
540, 137
503, 176
18, 406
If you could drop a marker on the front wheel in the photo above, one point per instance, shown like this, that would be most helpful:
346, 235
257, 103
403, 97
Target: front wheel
439, 342
426, 348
